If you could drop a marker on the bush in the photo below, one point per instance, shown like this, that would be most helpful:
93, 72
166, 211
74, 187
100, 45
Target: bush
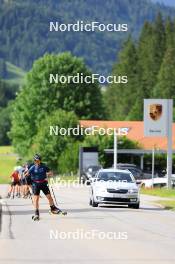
68, 161
107, 142
52, 146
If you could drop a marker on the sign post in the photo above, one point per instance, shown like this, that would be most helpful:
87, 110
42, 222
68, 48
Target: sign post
115, 149
169, 143
153, 165
158, 119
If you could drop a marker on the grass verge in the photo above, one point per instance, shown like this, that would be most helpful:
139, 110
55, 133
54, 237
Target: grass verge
161, 192
167, 204
7, 163
6, 150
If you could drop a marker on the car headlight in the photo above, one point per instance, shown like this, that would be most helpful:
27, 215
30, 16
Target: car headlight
133, 190
98, 189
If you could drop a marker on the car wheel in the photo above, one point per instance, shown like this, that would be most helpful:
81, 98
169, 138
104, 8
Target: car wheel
94, 204
90, 202
134, 206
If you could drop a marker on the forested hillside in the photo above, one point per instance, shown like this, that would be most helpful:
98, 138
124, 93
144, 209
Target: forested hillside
150, 67
165, 2
25, 36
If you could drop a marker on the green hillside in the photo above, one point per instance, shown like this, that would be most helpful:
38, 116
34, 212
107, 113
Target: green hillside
8, 160
15, 75
11, 78
25, 36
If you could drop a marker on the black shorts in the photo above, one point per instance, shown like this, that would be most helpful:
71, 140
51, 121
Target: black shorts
14, 183
23, 181
37, 187
29, 180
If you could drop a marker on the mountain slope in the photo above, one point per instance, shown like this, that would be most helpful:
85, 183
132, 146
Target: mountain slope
25, 36
12, 74
165, 2
15, 74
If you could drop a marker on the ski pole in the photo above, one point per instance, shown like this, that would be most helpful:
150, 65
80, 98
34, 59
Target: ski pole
54, 195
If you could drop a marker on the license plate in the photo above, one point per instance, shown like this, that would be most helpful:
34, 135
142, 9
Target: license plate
117, 195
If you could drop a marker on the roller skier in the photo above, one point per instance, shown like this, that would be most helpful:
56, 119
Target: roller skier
39, 173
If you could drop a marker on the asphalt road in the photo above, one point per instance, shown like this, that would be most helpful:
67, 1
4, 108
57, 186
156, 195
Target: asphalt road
139, 236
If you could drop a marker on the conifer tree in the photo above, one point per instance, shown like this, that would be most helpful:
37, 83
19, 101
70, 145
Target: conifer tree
121, 97
165, 87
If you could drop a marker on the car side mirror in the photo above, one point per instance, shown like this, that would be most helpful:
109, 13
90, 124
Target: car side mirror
138, 182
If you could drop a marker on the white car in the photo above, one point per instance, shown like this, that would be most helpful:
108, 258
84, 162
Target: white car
157, 182
114, 186
149, 183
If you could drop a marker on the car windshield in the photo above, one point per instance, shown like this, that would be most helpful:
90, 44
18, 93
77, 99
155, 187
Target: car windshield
133, 171
115, 176
94, 169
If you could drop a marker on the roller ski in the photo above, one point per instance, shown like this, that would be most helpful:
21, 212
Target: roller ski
36, 216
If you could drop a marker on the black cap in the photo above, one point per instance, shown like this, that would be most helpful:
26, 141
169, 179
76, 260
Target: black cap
37, 157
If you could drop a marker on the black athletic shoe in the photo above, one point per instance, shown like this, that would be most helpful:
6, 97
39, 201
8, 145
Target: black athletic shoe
54, 210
